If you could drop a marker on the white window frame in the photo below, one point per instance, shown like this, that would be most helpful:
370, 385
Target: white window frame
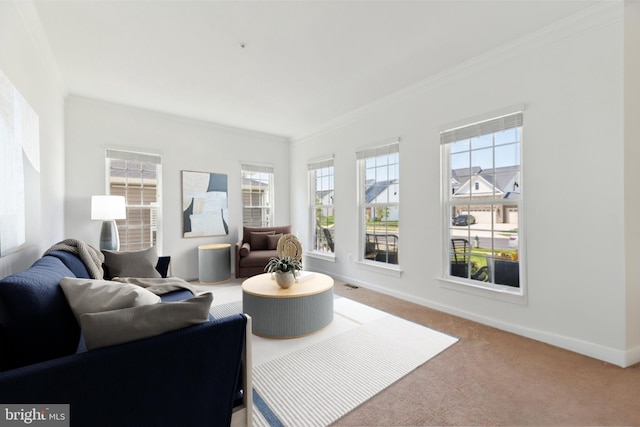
267, 217
155, 210
383, 149
326, 167
479, 126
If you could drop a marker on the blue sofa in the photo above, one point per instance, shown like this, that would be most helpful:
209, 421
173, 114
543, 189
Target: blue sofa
188, 377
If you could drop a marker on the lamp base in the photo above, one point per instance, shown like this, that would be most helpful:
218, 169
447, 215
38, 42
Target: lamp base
109, 238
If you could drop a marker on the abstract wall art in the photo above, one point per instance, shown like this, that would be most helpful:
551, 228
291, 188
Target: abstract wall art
204, 204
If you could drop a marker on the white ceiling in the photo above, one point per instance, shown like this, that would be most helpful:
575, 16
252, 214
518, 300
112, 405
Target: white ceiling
305, 62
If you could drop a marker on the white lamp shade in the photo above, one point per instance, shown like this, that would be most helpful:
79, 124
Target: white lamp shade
108, 207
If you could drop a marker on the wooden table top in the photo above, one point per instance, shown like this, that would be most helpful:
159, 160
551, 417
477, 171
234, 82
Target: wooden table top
215, 246
264, 286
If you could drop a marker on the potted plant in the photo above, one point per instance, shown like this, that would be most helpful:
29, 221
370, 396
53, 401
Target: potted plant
284, 270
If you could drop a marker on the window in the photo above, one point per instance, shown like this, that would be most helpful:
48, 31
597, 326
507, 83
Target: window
257, 196
379, 202
321, 207
483, 188
136, 176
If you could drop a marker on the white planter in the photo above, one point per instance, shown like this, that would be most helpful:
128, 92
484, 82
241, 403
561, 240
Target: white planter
284, 279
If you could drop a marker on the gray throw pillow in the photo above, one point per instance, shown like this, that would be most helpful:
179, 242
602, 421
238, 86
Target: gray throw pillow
130, 324
132, 263
91, 296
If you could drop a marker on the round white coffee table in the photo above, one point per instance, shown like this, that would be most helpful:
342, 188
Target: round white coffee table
304, 308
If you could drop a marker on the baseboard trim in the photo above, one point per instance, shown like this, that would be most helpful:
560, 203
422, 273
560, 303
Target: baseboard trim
632, 356
606, 354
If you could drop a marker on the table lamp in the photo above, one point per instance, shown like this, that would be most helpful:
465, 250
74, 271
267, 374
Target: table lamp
108, 209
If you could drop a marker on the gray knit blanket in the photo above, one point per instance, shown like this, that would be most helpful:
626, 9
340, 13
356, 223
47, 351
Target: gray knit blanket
158, 285
91, 257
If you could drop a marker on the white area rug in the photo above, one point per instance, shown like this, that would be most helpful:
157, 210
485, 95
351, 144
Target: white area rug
314, 380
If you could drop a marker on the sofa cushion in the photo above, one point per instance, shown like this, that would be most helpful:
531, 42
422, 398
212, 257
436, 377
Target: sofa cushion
273, 241
134, 323
132, 263
93, 296
72, 262
259, 240
36, 323
173, 296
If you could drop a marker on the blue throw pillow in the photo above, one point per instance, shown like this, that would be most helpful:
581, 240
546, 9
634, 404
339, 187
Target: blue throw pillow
36, 322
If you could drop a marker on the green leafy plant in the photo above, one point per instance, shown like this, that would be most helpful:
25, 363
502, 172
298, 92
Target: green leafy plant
285, 264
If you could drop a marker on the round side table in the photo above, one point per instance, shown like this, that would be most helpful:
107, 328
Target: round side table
304, 308
214, 263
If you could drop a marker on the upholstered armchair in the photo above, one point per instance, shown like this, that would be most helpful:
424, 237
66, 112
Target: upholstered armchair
256, 247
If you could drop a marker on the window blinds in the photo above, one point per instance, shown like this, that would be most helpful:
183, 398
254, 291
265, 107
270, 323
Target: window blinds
320, 163
134, 157
256, 168
381, 150
481, 128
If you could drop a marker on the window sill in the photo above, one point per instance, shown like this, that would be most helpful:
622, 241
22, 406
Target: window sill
322, 255
380, 267
496, 292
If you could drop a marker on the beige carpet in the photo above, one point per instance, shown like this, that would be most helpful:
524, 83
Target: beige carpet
494, 378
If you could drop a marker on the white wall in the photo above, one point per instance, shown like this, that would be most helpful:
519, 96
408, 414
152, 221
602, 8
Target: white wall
93, 126
569, 76
25, 59
632, 172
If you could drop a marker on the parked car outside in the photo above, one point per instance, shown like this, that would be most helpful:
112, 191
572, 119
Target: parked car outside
513, 241
464, 220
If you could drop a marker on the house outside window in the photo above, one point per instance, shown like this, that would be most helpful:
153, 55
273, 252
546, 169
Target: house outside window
257, 195
483, 199
379, 203
321, 205
137, 177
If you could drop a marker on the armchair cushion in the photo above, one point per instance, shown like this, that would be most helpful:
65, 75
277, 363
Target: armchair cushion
273, 241
132, 263
248, 231
259, 240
